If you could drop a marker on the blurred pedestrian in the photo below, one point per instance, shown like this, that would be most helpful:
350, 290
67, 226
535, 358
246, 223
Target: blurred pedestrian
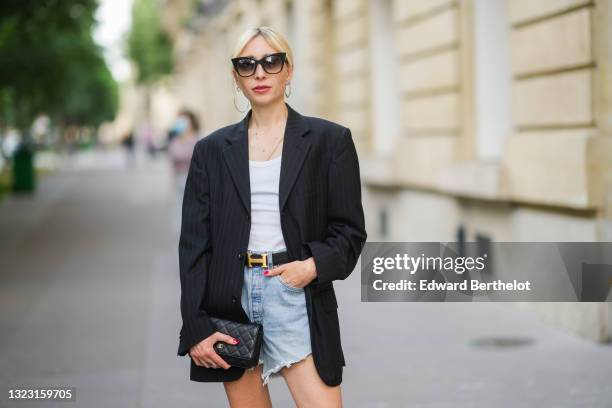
180, 149
145, 136
128, 143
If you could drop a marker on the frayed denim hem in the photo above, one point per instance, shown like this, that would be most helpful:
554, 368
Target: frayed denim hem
266, 376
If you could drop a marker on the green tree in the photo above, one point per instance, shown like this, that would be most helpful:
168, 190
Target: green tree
149, 46
49, 63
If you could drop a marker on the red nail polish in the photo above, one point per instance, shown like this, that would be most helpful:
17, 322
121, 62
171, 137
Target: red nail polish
236, 341
266, 272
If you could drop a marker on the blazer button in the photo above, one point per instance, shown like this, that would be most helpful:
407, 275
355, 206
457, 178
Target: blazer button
234, 299
240, 255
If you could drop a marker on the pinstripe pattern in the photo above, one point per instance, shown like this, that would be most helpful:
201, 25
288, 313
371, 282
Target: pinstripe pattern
321, 216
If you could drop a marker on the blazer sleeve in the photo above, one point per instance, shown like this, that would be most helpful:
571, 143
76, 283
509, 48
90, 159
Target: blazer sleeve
336, 256
194, 253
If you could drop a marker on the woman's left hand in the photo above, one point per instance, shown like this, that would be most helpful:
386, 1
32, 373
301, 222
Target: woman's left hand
297, 273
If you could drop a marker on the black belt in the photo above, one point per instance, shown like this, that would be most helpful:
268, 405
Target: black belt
264, 259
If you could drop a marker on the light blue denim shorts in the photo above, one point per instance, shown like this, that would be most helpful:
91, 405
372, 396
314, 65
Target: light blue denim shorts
281, 309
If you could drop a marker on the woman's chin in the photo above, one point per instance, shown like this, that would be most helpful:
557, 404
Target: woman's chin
264, 99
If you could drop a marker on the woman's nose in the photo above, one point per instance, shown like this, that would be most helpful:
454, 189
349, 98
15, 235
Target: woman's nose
259, 71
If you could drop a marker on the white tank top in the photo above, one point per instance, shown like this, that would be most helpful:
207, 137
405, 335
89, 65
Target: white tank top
266, 233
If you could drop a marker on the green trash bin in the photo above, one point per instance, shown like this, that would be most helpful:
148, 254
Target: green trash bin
24, 176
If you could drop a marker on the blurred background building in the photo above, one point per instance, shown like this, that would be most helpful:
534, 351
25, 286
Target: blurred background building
474, 119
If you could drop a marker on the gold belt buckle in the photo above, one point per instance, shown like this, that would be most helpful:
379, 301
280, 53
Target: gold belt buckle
262, 259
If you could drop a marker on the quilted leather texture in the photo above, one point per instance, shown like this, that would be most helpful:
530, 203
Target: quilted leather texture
244, 354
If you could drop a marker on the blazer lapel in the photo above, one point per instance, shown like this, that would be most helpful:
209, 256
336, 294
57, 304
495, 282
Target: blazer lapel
295, 149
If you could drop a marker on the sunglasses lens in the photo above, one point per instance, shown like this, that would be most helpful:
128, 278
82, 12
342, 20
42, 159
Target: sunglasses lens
273, 64
245, 67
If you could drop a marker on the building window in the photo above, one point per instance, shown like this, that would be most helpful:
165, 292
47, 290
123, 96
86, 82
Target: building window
386, 101
492, 78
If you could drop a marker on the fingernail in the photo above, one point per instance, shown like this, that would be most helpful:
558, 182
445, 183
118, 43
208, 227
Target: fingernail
236, 341
266, 272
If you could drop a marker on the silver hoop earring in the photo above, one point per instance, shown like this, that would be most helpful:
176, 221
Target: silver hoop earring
237, 108
288, 86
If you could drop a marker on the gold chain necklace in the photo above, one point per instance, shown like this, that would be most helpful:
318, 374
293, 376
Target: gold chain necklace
256, 145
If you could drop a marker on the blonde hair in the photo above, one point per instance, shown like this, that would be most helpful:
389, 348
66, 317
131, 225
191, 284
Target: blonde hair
275, 39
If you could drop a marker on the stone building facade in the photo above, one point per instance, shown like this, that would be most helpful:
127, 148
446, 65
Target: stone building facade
474, 119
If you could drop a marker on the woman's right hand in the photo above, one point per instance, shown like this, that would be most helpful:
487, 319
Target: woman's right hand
204, 354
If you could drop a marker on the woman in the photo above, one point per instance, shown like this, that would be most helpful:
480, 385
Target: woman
272, 215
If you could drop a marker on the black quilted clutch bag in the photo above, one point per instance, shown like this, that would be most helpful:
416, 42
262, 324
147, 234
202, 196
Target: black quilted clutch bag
245, 354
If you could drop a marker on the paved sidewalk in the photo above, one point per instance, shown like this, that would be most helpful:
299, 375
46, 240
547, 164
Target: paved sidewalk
89, 297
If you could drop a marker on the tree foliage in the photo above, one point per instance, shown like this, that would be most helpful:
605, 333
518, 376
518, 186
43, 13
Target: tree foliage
49, 63
149, 46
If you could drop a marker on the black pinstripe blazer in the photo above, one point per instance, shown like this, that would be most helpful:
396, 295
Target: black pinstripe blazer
321, 216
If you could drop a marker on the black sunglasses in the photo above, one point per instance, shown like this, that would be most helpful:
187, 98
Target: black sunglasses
272, 64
